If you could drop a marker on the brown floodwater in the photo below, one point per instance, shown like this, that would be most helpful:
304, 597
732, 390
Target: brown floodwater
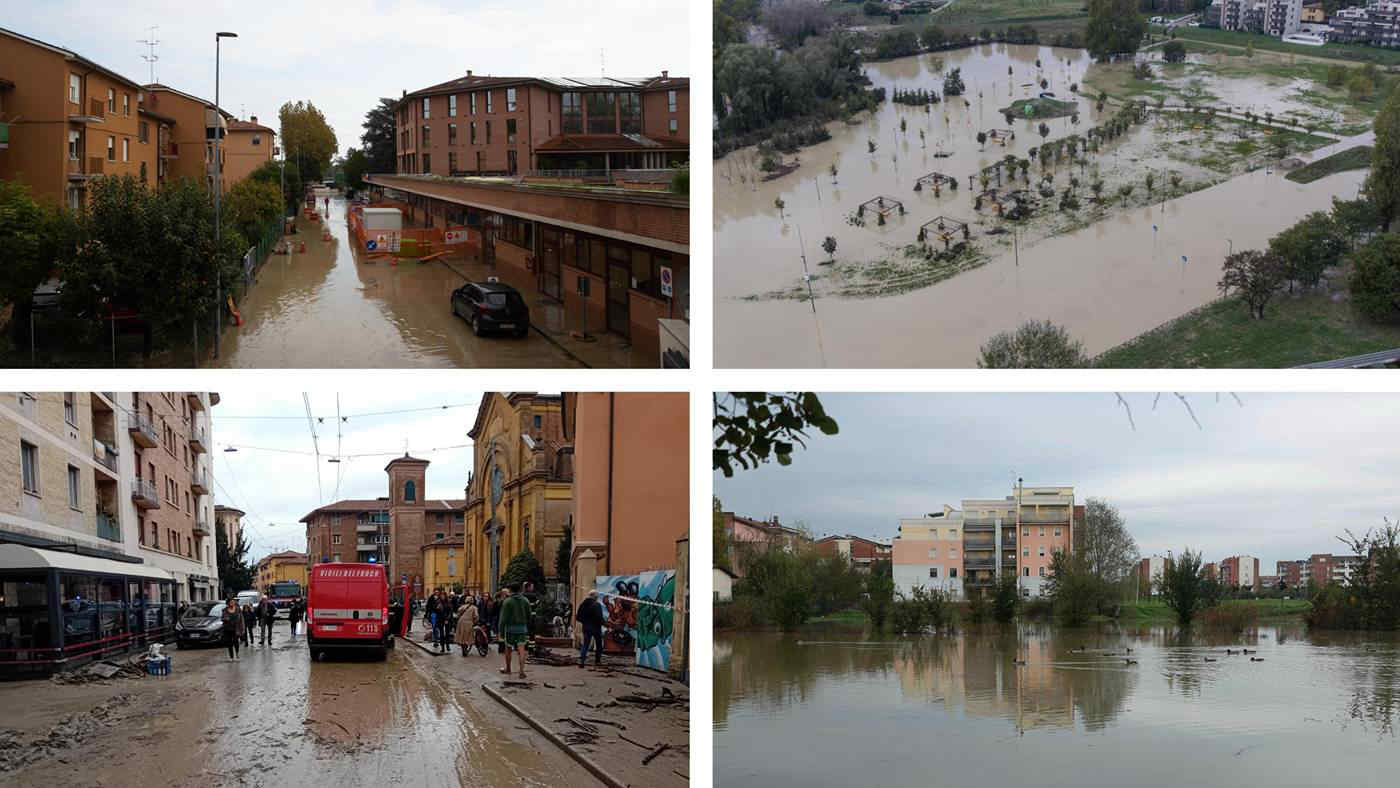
1106, 282
1321, 709
329, 307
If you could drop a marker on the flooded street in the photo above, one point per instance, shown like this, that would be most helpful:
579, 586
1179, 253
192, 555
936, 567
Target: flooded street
329, 307
1106, 274
275, 718
1319, 709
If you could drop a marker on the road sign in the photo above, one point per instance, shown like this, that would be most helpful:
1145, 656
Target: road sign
666, 281
371, 245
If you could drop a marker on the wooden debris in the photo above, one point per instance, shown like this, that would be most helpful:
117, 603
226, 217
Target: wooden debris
651, 756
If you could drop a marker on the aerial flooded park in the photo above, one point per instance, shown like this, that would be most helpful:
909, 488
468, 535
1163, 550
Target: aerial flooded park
971, 186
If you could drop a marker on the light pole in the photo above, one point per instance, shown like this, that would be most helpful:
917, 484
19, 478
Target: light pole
218, 132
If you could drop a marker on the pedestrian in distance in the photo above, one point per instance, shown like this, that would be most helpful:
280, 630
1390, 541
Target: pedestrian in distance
267, 613
515, 626
232, 619
250, 623
590, 619
429, 608
294, 614
465, 625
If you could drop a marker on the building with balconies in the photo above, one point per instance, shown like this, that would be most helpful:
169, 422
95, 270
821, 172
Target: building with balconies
985, 540
284, 566
1240, 571
1377, 23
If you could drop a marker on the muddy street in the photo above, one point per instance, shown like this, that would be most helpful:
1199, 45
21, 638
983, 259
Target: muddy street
275, 718
329, 307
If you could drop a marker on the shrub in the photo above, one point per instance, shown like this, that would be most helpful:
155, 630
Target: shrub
741, 613
1233, 616
1038, 608
1334, 607
1375, 279
1035, 345
1174, 52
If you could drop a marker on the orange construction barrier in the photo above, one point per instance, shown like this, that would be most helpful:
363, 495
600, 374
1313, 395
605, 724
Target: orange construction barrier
233, 310
302, 247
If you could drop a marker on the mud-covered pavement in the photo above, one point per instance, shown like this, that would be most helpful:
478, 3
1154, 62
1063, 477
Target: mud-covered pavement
275, 718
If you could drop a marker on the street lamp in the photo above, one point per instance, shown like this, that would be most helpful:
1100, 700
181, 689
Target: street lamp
218, 132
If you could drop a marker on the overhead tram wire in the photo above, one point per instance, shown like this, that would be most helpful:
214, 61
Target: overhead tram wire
311, 425
349, 416
396, 453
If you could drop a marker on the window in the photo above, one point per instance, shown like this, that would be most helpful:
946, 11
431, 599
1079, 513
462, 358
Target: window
70, 411
674, 126
953, 572
488, 132
1025, 552
426, 135
538, 420
410, 491
75, 498
933, 552
1042, 551
437, 537
1057, 532
511, 161
452, 105
29, 464
111, 100
933, 571
601, 113
427, 163
630, 107
510, 99
335, 558
452, 134
111, 148
73, 137
952, 552
257, 139
472, 97
143, 132
571, 104
126, 104
489, 110
510, 131
155, 536
425, 108
1025, 571
1042, 571
75, 89
126, 149
451, 162
471, 133
1025, 532
335, 539
670, 101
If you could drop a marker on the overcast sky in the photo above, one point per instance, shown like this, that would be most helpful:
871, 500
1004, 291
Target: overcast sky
1277, 478
277, 488
344, 56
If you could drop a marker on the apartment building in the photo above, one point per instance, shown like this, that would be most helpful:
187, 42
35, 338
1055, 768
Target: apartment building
1019, 534
247, 146
388, 530
281, 567
1292, 573
444, 564
486, 125
1281, 18
742, 534
1240, 571
104, 519
68, 120
229, 520
857, 550
189, 149
1150, 571
1314, 13
1377, 23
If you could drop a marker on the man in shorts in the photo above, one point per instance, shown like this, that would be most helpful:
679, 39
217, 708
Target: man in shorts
515, 624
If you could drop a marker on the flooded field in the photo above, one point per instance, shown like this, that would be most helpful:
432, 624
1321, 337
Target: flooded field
327, 307
1107, 271
1319, 709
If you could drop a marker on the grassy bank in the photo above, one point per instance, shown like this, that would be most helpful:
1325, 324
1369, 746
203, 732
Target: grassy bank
1353, 52
1296, 330
1357, 158
1155, 611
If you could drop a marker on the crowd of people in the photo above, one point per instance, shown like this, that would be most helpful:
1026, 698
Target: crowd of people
241, 623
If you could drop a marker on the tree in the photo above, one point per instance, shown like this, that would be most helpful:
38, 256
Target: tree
251, 206
932, 37
1035, 345
1007, 597
780, 582
1103, 541
982, 138
897, 43
308, 141
287, 179
1308, 248
879, 597
1360, 88
1383, 182
1044, 130
1355, 218
357, 163
953, 83
1255, 276
1072, 588
829, 246
523, 568
563, 558
1375, 278
835, 584
1115, 26
793, 21
29, 234
235, 573
752, 427
1184, 587
379, 137
1174, 52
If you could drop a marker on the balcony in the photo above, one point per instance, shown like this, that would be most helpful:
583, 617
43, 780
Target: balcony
143, 494
367, 528
108, 528
96, 113
979, 563
170, 151
366, 547
197, 440
199, 481
201, 528
194, 400
1045, 517
106, 456
143, 433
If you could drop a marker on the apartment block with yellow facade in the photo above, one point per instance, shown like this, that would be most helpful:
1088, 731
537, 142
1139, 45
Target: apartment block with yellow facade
285, 566
444, 565
246, 146
191, 144
68, 120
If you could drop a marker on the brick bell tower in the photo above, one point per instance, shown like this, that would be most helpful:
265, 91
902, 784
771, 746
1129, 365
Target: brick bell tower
407, 520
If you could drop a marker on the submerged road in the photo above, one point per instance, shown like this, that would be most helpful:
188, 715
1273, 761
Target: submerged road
328, 307
274, 718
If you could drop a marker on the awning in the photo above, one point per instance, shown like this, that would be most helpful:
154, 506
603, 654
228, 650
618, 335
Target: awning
18, 556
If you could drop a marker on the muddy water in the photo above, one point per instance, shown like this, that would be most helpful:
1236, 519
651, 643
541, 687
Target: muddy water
1319, 710
1106, 283
330, 307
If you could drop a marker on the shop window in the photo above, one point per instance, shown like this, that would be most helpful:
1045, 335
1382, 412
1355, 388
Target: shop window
24, 613
78, 605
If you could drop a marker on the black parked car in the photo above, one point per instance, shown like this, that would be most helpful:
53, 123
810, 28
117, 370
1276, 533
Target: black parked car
202, 625
491, 306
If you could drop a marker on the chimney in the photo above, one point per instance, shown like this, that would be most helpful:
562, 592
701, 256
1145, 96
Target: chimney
254, 118
665, 74
405, 95
469, 72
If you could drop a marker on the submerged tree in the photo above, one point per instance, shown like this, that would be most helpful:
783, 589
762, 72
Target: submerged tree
829, 246
1183, 586
1036, 344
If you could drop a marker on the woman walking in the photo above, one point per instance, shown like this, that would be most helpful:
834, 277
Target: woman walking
466, 625
250, 623
234, 624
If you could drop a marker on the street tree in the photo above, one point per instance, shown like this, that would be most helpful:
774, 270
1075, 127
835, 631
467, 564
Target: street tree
356, 165
252, 206
1383, 182
1183, 587
1375, 278
1034, 345
1254, 276
235, 572
307, 139
751, 428
379, 137
523, 568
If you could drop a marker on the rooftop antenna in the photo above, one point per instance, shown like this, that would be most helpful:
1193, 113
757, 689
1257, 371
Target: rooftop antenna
151, 56
602, 65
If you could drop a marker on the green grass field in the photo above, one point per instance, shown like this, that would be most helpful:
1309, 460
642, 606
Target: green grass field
1295, 330
1153, 610
1357, 158
1352, 52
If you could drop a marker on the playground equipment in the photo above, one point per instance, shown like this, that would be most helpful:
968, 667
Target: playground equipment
936, 181
882, 206
944, 228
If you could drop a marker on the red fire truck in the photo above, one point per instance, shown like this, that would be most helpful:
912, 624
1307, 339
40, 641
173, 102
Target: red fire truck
348, 608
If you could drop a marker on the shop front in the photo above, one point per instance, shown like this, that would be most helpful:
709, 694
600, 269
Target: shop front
60, 609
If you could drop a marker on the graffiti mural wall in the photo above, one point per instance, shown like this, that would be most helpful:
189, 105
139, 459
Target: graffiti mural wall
637, 612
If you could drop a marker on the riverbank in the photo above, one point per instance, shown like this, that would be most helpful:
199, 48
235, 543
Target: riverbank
1156, 611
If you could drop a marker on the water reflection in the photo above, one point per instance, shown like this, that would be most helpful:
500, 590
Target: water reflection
1176, 707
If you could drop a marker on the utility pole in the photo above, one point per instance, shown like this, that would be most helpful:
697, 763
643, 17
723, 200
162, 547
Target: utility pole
218, 132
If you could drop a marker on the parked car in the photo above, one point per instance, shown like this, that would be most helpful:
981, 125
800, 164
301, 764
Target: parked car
202, 625
1047, 94
491, 306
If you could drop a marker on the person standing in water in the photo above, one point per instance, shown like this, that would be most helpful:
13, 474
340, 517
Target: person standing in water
232, 619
